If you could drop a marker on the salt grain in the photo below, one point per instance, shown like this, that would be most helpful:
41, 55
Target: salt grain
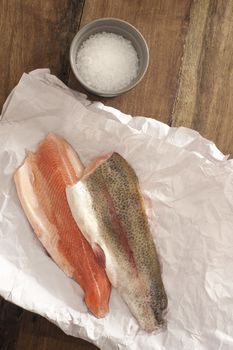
107, 62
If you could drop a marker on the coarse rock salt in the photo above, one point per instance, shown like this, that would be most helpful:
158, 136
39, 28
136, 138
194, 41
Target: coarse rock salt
107, 62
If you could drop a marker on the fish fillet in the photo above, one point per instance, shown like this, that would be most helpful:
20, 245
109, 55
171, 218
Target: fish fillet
109, 209
41, 182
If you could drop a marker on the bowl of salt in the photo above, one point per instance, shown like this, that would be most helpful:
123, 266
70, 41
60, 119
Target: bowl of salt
109, 56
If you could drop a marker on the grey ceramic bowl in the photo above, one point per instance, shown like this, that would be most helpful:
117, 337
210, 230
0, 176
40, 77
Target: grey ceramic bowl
117, 26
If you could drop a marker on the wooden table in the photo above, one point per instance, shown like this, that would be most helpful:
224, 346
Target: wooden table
189, 83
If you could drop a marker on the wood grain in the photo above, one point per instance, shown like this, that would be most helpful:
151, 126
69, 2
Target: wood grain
205, 96
36, 333
10, 318
35, 34
23, 330
189, 82
163, 23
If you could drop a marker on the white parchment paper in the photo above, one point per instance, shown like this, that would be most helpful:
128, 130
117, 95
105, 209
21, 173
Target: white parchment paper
188, 185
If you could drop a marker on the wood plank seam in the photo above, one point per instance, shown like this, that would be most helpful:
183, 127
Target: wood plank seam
187, 19
204, 97
189, 60
77, 6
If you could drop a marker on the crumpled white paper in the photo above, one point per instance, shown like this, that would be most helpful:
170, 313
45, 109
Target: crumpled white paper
188, 184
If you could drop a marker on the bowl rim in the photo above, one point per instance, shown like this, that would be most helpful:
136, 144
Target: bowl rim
74, 69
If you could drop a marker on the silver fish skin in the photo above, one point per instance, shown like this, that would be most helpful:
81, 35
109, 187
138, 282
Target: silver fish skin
108, 207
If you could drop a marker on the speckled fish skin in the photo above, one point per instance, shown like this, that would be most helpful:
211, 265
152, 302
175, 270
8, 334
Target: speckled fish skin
108, 207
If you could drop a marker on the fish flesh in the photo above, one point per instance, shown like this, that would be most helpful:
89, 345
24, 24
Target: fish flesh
41, 182
109, 209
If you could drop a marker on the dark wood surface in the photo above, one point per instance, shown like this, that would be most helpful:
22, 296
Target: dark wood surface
205, 94
35, 34
164, 25
189, 82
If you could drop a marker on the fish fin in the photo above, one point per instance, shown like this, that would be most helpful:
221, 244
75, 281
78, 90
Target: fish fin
99, 253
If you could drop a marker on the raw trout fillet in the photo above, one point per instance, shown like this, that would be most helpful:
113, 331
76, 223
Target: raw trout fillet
109, 209
41, 182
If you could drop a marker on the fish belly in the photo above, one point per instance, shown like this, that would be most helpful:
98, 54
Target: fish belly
41, 182
108, 207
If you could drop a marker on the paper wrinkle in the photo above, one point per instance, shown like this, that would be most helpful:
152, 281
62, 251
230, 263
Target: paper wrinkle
188, 188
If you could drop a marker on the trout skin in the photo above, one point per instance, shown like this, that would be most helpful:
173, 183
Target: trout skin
109, 209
